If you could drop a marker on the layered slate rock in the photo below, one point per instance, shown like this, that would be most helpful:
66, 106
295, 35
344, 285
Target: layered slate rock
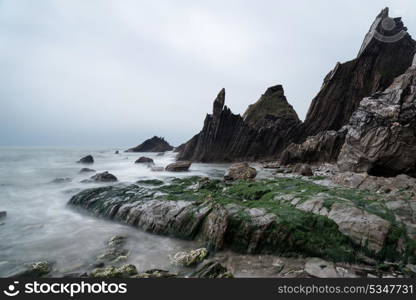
285, 216
323, 147
154, 144
384, 55
381, 138
230, 137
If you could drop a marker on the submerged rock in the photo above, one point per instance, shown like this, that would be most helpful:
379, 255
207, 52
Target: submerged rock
240, 171
86, 160
190, 258
155, 144
144, 160
212, 270
61, 180
87, 170
117, 152
104, 177
180, 166
3, 214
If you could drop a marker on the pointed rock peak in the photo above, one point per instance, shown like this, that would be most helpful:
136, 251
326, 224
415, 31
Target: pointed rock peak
274, 89
271, 105
384, 29
219, 103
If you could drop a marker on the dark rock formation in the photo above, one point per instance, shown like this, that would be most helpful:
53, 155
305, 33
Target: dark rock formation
87, 170
86, 160
381, 138
271, 106
144, 160
155, 144
228, 137
104, 177
323, 147
377, 64
240, 171
3, 214
280, 216
117, 152
180, 166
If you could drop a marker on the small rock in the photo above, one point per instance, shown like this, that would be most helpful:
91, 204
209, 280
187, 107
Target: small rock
240, 171
104, 177
86, 160
37, 269
144, 160
124, 271
212, 270
3, 214
180, 166
303, 169
87, 170
117, 152
320, 268
190, 258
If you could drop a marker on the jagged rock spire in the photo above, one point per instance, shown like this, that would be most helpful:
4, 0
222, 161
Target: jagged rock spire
218, 104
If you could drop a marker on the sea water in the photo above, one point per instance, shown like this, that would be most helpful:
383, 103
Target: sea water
40, 226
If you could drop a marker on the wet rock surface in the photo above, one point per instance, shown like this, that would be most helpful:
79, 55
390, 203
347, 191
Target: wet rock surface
179, 166
281, 216
104, 177
240, 171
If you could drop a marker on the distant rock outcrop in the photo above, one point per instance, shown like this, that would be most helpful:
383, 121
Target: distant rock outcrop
155, 144
381, 138
380, 59
86, 160
261, 133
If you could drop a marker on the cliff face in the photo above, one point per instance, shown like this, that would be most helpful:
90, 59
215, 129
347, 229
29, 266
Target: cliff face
384, 55
271, 129
229, 137
381, 138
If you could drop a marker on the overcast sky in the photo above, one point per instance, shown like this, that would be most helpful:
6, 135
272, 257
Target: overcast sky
112, 73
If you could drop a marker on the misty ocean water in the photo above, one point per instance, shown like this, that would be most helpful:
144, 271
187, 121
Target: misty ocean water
40, 226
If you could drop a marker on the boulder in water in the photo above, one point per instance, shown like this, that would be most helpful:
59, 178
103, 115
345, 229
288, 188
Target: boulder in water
104, 177
3, 214
180, 166
303, 169
144, 160
86, 160
87, 170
